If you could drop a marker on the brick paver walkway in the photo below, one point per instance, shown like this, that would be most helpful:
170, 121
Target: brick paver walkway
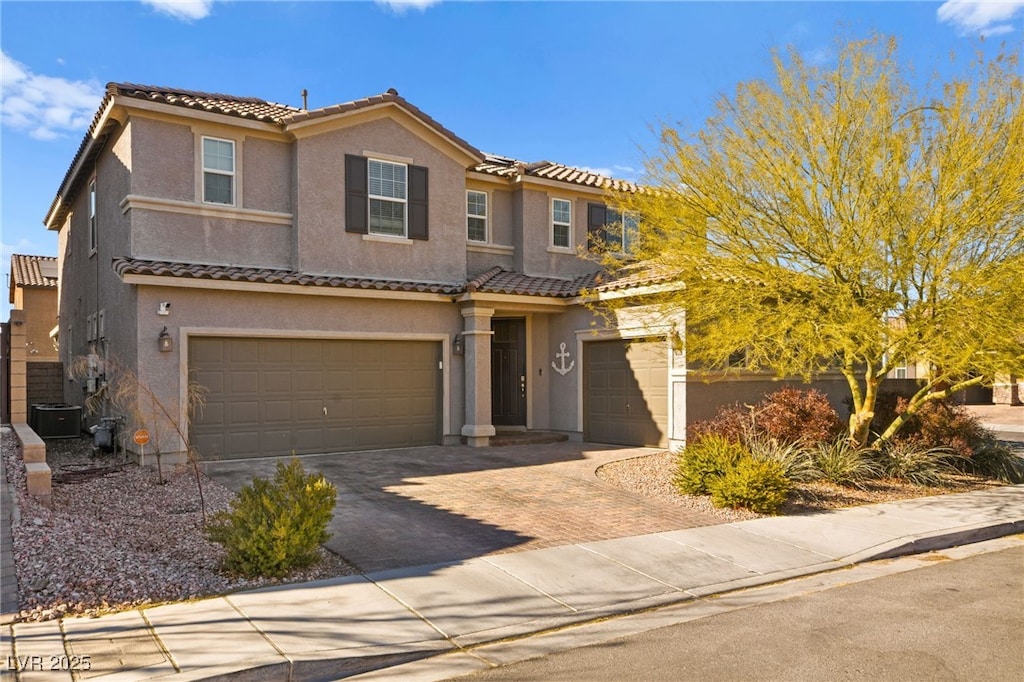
438, 504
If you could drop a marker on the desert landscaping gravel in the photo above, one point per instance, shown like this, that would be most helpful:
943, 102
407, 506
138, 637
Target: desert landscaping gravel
121, 539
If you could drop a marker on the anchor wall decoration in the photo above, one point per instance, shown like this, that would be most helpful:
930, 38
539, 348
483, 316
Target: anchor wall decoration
562, 354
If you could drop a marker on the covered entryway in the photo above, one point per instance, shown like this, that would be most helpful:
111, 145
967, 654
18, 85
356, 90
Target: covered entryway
508, 372
625, 392
269, 396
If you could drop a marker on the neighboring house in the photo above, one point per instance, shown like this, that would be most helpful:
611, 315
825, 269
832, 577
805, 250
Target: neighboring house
347, 278
33, 373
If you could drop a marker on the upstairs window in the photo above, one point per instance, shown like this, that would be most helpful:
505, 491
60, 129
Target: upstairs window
476, 216
616, 230
385, 198
218, 171
561, 223
92, 216
387, 192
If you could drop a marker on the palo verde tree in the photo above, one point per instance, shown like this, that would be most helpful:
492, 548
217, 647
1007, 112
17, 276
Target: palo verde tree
843, 218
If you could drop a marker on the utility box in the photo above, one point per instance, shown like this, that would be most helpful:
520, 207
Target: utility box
57, 421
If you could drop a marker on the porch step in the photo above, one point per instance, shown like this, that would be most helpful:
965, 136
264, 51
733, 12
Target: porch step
527, 438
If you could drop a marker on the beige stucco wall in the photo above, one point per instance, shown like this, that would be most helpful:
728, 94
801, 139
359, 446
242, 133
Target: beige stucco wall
535, 255
323, 244
40, 306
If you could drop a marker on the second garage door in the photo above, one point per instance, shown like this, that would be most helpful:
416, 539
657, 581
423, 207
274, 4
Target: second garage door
270, 397
625, 392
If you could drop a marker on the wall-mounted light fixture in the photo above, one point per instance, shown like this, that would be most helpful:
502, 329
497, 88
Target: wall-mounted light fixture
165, 341
457, 345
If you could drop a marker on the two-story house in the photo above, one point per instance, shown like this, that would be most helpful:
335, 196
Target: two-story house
346, 278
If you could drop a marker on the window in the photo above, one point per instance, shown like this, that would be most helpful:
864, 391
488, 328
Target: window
92, 216
218, 171
900, 370
621, 230
561, 223
476, 216
385, 198
612, 228
387, 193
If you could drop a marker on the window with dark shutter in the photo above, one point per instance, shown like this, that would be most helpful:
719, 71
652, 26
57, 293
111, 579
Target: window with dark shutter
418, 195
597, 218
356, 200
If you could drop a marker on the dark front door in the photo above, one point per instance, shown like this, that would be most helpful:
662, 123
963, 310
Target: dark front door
508, 372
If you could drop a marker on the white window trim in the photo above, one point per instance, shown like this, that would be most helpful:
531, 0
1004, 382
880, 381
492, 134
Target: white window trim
204, 170
370, 196
551, 231
92, 210
485, 216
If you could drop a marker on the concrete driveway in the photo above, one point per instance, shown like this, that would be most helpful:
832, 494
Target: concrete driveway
418, 506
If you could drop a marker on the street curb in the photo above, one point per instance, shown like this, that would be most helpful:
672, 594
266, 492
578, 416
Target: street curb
929, 542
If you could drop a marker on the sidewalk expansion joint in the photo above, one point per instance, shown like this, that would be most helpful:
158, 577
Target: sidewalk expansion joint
159, 642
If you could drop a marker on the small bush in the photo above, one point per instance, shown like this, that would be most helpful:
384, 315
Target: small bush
796, 461
274, 527
758, 485
699, 463
842, 463
788, 415
995, 460
791, 415
907, 461
940, 423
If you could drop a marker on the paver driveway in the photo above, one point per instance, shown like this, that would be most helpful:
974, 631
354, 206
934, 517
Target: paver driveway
429, 505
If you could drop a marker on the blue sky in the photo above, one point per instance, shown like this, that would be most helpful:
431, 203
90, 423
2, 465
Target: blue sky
575, 82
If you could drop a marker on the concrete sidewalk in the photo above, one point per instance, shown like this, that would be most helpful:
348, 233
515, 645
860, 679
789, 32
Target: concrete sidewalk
331, 629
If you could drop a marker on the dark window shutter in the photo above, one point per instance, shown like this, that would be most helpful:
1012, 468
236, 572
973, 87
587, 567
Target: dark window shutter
597, 218
357, 210
418, 194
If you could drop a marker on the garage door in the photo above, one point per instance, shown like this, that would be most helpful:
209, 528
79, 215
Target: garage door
625, 392
271, 397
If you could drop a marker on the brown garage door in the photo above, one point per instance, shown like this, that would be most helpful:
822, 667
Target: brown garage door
625, 392
271, 397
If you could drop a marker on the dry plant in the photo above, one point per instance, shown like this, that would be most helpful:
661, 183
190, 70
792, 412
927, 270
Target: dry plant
121, 390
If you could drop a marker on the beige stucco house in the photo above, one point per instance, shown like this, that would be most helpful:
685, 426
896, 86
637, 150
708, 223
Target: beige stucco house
347, 278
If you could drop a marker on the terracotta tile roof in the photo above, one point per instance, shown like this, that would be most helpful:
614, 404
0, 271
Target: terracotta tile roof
134, 266
34, 271
229, 105
506, 167
638, 275
494, 281
500, 281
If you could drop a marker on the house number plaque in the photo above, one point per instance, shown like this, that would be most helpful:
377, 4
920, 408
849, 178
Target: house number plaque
563, 355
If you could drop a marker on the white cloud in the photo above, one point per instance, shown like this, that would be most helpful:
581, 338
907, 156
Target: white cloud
985, 17
400, 6
186, 10
44, 106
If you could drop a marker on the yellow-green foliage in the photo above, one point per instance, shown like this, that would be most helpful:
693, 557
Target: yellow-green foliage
843, 217
701, 462
758, 485
274, 527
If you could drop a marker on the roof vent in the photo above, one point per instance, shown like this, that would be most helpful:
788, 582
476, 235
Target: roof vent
392, 91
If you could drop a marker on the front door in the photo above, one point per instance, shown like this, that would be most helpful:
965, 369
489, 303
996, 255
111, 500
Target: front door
508, 372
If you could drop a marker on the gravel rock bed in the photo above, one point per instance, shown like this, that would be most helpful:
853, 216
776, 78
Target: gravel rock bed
120, 540
651, 475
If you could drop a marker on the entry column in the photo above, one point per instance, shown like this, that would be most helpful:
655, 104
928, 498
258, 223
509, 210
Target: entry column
477, 332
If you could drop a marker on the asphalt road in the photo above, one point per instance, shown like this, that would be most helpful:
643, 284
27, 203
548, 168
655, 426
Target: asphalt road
955, 620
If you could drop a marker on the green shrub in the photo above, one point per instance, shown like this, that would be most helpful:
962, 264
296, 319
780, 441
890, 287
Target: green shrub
796, 460
907, 461
842, 463
995, 460
699, 463
274, 527
758, 485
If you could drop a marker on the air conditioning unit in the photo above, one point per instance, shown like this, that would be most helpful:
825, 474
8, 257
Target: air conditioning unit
58, 421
